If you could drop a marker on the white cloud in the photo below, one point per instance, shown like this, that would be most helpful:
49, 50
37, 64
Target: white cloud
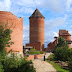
5, 5
28, 6
53, 5
59, 21
49, 36
68, 5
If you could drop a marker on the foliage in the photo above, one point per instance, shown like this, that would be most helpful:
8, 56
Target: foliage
1, 67
45, 49
42, 52
70, 64
14, 64
57, 67
61, 53
61, 42
51, 56
5, 38
33, 51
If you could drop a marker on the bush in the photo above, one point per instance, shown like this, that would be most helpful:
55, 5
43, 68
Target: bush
51, 56
61, 53
70, 64
13, 64
1, 67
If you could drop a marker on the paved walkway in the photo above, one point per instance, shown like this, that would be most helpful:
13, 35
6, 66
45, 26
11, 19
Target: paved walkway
43, 66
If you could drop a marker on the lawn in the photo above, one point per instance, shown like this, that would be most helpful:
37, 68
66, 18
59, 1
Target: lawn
57, 67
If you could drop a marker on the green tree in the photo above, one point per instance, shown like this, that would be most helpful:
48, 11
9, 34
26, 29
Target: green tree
61, 42
61, 51
5, 41
5, 37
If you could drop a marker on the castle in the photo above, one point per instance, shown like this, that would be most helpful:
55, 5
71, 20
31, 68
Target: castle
16, 25
36, 36
63, 33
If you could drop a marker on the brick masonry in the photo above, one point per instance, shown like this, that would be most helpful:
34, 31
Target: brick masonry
62, 33
37, 31
16, 25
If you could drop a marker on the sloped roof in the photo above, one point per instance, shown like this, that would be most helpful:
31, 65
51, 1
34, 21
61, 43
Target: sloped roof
64, 32
36, 13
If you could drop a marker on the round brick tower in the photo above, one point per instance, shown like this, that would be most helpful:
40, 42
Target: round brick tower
16, 25
37, 28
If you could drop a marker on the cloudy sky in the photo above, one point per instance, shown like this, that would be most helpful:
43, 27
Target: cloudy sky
57, 13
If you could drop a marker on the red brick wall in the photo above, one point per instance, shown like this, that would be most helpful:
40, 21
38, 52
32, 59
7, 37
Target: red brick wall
37, 46
30, 57
51, 46
67, 37
37, 31
17, 28
69, 45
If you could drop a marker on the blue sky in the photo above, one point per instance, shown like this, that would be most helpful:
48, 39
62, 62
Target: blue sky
57, 13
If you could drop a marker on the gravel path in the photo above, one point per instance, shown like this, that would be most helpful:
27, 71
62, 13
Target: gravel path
42, 66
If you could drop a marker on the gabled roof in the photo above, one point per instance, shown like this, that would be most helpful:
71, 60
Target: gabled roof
36, 13
64, 32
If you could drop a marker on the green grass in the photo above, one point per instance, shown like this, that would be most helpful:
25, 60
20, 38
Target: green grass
57, 67
34, 52
51, 56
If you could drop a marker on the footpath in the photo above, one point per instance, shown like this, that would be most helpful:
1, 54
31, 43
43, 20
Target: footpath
43, 66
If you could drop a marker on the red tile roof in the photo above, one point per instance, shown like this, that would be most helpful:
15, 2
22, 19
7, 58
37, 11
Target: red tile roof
64, 32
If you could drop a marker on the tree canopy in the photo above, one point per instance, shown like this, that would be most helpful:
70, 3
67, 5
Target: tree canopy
5, 37
61, 42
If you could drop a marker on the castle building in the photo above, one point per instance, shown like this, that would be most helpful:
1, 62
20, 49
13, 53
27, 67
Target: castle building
16, 25
63, 33
37, 30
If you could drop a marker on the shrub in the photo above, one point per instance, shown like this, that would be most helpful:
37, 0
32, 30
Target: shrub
61, 53
1, 67
70, 64
42, 52
13, 64
51, 56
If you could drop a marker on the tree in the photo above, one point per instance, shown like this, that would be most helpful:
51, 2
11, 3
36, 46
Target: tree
5, 38
61, 51
61, 42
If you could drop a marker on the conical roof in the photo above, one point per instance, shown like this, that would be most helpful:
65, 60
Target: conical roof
36, 13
